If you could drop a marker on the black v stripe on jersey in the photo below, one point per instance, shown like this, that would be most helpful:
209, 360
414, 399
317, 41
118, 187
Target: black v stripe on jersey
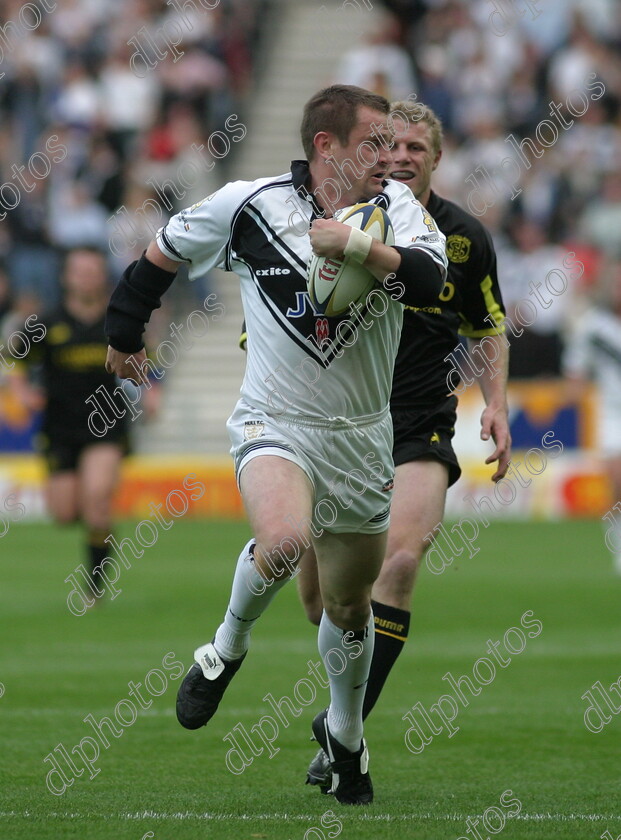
259, 246
277, 239
287, 182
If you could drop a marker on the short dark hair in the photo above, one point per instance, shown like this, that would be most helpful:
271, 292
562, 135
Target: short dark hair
87, 248
335, 109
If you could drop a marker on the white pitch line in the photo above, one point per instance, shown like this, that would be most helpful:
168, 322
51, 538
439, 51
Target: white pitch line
189, 815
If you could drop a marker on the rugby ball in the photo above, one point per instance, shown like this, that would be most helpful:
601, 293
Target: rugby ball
333, 285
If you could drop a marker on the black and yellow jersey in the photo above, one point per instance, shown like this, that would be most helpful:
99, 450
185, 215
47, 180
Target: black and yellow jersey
470, 295
69, 366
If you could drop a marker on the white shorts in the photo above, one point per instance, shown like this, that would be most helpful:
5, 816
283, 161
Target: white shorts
349, 464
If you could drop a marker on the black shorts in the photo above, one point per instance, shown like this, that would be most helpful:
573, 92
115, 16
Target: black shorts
425, 435
62, 451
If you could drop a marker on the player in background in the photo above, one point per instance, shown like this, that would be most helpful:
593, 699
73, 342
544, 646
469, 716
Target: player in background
294, 446
593, 352
422, 407
62, 370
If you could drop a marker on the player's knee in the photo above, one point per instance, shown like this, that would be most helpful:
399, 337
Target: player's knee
277, 555
350, 615
97, 510
400, 568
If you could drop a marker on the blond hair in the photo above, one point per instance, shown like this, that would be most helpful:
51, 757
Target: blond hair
416, 112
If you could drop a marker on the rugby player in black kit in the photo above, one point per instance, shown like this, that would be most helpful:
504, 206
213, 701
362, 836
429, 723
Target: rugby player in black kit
83, 456
422, 405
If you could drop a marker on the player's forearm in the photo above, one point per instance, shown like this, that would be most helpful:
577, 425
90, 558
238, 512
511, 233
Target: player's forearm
492, 382
412, 276
382, 260
137, 294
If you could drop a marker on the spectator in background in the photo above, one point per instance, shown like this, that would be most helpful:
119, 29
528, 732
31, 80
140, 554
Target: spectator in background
537, 352
594, 353
128, 103
32, 259
435, 90
571, 67
6, 302
600, 223
381, 64
78, 218
78, 103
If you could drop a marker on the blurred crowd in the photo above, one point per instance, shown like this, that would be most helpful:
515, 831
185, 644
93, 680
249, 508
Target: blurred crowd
94, 104
548, 74
98, 119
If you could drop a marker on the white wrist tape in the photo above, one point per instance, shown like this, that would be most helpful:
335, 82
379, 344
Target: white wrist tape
358, 245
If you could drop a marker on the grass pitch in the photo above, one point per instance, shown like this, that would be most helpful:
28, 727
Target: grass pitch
523, 733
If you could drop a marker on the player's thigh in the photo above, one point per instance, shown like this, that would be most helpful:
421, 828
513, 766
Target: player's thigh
417, 505
62, 496
347, 566
99, 472
278, 497
308, 586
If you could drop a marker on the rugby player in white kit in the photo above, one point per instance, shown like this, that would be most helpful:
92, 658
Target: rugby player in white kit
312, 433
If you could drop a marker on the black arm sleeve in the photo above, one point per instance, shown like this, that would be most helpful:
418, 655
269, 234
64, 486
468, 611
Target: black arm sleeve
138, 293
420, 276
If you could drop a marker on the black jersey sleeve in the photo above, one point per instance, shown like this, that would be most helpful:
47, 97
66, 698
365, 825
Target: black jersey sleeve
481, 311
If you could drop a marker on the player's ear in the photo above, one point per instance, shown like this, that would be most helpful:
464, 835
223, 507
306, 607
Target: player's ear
324, 144
436, 160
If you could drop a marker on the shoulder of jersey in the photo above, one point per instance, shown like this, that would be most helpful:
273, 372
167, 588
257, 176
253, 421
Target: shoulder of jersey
394, 190
261, 182
462, 218
237, 191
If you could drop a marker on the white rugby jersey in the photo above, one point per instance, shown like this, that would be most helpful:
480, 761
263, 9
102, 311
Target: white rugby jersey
299, 361
594, 351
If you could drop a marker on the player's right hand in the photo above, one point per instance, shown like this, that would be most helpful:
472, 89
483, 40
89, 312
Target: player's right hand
127, 365
329, 238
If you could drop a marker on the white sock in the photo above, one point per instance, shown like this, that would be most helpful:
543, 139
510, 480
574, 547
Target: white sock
251, 594
347, 688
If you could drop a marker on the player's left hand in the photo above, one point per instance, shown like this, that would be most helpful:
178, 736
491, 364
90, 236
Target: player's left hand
495, 424
127, 365
329, 238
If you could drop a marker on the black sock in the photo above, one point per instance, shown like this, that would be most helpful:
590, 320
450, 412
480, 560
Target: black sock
391, 629
96, 547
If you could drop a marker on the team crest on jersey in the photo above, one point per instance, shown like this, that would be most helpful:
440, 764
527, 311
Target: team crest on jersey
322, 330
389, 485
253, 429
458, 248
435, 438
